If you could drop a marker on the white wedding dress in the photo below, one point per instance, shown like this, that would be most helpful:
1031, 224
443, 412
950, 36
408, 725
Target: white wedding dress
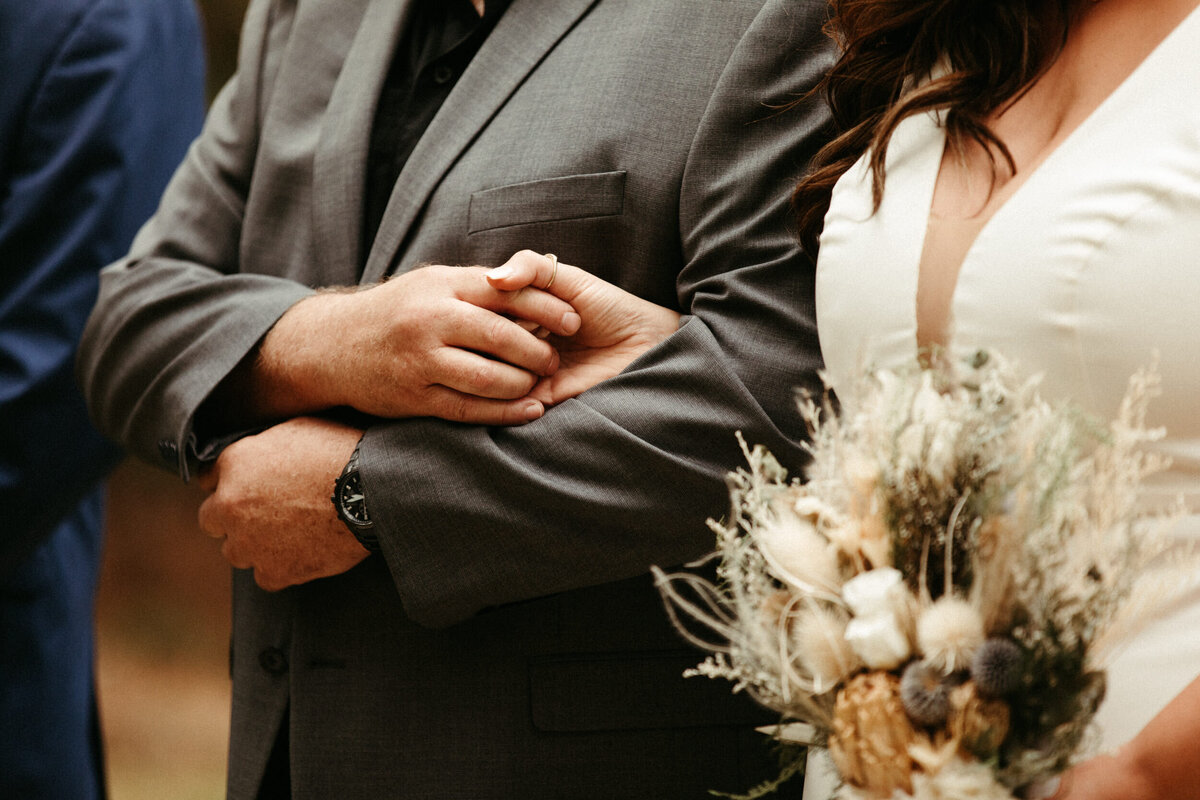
1085, 274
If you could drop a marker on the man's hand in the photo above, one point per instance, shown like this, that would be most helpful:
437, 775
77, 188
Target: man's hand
616, 326
437, 341
270, 502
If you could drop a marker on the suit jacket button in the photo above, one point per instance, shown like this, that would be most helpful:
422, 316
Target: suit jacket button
273, 661
169, 451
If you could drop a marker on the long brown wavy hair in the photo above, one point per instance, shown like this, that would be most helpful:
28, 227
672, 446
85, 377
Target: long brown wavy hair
988, 53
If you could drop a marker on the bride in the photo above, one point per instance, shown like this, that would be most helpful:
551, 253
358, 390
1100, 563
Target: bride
1025, 176
1022, 175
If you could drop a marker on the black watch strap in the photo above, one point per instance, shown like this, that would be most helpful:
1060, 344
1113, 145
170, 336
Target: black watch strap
351, 504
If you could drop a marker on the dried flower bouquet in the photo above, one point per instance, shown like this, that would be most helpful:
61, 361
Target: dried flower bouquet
938, 598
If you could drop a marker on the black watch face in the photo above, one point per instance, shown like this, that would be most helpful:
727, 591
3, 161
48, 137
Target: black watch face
350, 498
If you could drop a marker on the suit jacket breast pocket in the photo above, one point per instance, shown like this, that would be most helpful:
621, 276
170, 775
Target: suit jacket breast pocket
598, 194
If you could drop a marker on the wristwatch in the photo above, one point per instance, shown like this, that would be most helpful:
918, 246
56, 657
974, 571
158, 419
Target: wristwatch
351, 505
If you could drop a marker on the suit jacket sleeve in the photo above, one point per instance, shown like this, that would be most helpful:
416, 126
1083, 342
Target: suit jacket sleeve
604, 485
625, 475
177, 313
99, 102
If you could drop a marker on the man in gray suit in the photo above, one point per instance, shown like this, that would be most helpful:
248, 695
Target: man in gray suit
503, 640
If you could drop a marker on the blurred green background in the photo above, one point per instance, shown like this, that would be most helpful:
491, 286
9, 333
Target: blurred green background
163, 609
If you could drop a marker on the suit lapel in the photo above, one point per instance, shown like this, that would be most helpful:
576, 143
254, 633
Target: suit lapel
340, 161
523, 36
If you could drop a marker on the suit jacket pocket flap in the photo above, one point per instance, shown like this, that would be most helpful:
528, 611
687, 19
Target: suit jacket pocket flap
598, 194
630, 691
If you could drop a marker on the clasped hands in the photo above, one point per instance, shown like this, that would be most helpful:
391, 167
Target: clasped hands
466, 344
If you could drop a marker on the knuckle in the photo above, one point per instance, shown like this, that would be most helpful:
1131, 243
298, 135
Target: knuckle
472, 378
214, 510
498, 329
528, 381
206, 521
395, 331
231, 553
534, 263
483, 379
458, 408
550, 360
232, 452
229, 500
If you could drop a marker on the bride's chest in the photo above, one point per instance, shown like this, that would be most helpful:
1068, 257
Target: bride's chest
1085, 272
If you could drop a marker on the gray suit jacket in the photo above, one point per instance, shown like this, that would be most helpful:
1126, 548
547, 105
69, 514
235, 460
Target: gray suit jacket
507, 643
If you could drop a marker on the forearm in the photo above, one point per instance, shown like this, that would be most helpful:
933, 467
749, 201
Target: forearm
1161, 763
172, 320
602, 487
290, 373
1166, 754
164, 335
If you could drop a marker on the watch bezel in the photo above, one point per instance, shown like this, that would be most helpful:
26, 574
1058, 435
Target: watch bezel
352, 511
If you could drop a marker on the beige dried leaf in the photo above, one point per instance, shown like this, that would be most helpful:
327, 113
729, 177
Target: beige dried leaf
977, 723
872, 735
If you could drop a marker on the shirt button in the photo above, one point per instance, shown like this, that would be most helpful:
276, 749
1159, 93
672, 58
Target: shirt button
273, 661
442, 73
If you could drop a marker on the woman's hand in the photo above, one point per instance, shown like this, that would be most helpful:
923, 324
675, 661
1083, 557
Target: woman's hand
616, 326
1102, 777
1160, 763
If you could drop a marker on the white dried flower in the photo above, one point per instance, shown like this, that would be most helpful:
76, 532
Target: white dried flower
948, 634
876, 542
884, 391
879, 641
879, 600
959, 780
864, 540
862, 477
797, 552
928, 404
819, 637
1039, 505
816, 510
910, 448
930, 448
929, 442
873, 592
941, 457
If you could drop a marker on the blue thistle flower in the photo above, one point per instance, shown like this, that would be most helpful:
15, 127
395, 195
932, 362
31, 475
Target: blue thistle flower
996, 667
925, 694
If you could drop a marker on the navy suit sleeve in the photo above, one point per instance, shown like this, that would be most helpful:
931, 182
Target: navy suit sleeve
100, 100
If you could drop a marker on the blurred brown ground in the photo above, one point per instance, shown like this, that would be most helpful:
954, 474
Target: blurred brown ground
163, 607
163, 642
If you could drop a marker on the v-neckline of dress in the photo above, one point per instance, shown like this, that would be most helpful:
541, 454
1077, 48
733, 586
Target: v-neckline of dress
1068, 143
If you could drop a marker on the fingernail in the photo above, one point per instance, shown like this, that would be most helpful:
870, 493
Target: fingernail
500, 273
532, 411
571, 322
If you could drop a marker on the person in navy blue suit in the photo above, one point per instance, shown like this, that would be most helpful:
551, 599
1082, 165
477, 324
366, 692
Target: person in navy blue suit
98, 102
